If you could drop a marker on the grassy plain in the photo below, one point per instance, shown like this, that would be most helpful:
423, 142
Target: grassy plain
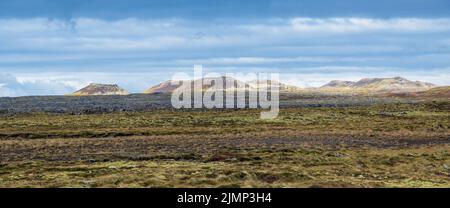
384, 145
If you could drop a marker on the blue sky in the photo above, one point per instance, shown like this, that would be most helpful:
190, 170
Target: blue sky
55, 47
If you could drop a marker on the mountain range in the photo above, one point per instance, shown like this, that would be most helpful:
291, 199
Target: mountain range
367, 85
395, 85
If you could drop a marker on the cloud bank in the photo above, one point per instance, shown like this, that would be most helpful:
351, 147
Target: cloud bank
83, 34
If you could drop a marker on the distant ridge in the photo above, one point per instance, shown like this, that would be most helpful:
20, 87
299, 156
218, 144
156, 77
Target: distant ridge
338, 83
100, 89
282, 87
378, 85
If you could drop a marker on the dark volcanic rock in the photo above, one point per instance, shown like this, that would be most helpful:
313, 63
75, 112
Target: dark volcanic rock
146, 102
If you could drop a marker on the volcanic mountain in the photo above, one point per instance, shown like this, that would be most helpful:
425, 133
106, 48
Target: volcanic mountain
170, 86
377, 85
101, 89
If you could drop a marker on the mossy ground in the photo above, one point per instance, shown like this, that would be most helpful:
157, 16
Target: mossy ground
394, 145
418, 167
426, 119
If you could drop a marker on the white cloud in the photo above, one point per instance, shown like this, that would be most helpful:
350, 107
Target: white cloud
10, 86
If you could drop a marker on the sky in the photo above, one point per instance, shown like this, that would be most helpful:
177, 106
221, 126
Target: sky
50, 47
